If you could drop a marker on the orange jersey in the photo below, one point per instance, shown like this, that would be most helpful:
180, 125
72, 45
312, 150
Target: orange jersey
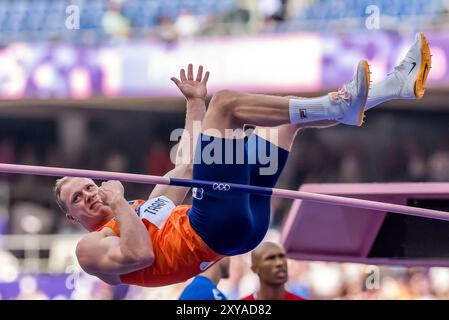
179, 252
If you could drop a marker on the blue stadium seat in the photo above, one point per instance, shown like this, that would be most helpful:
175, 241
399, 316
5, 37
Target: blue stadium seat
42, 19
327, 11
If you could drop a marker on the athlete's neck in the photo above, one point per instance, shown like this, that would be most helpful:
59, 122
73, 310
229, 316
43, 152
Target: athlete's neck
95, 225
270, 292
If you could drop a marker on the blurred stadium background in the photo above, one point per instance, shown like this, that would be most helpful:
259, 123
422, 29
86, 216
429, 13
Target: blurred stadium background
96, 94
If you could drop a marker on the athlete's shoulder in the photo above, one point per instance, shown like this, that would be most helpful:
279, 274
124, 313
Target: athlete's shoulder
201, 288
292, 296
202, 281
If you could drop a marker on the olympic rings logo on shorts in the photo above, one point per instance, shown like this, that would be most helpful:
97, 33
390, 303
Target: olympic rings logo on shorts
221, 186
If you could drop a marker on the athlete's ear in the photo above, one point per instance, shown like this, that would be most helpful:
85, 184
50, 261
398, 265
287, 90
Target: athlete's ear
254, 269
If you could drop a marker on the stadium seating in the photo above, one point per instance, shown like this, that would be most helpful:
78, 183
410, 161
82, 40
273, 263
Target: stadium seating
41, 20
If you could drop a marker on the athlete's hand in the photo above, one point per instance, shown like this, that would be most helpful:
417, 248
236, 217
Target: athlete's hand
111, 192
190, 88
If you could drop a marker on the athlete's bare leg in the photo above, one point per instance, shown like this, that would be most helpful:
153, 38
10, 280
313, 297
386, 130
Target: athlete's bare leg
231, 109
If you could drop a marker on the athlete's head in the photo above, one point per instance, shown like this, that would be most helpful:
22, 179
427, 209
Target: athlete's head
79, 199
269, 262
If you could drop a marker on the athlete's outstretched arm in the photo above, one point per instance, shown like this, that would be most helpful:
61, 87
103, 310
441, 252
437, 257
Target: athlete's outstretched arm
101, 253
195, 92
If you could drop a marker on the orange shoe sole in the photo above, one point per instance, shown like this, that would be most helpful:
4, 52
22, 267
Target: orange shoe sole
367, 79
423, 72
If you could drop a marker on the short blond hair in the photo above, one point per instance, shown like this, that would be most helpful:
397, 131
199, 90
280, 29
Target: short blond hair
57, 190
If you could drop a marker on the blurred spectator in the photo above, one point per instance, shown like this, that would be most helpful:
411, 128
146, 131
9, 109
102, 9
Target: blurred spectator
114, 23
326, 280
269, 262
439, 164
298, 278
166, 30
351, 165
273, 13
439, 279
237, 20
204, 286
420, 286
354, 277
394, 289
187, 25
116, 162
29, 289
416, 161
10, 266
30, 218
237, 285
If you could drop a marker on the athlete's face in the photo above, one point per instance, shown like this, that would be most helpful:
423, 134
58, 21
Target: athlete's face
82, 200
271, 266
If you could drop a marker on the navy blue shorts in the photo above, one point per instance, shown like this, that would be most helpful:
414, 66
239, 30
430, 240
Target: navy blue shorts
231, 222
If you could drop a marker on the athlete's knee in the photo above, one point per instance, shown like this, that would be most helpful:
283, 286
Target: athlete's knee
224, 102
185, 170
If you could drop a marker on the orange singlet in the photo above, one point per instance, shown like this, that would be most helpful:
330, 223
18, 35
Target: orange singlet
179, 252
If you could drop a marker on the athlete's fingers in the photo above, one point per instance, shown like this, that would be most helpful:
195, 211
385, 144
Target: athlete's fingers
103, 195
176, 81
182, 75
199, 75
190, 72
206, 77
